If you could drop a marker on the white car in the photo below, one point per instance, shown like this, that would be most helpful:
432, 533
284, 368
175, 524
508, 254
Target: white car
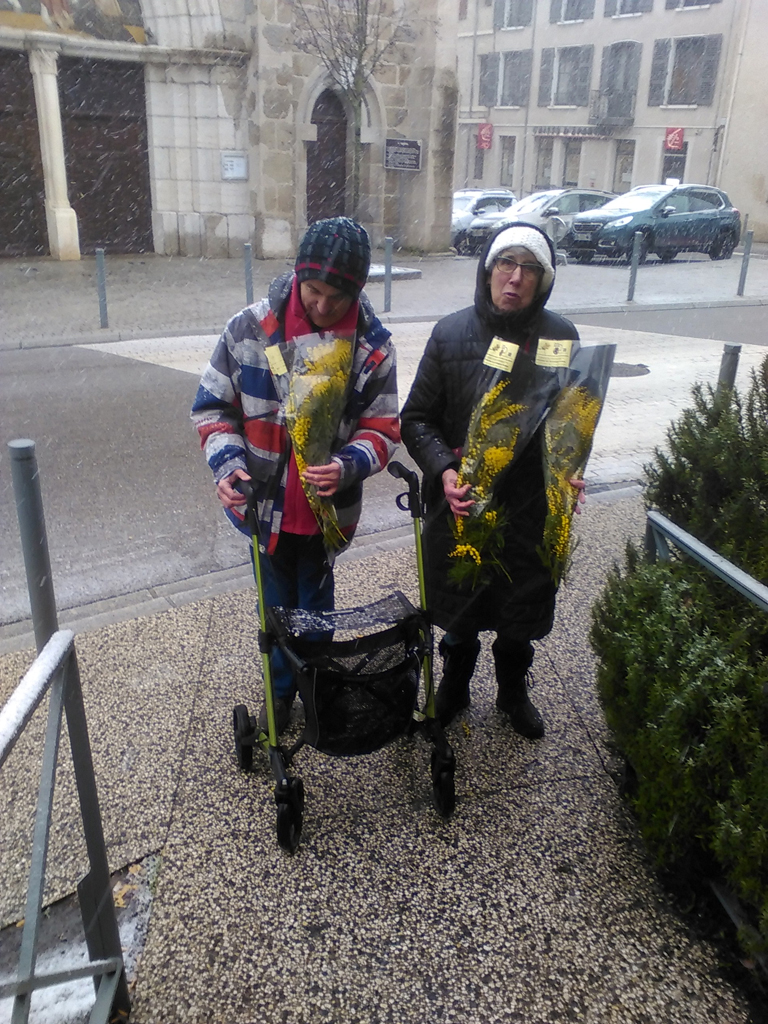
552, 210
469, 203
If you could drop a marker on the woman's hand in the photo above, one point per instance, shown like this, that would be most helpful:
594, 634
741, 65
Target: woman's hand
324, 478
582, 497
225, 489
456, 496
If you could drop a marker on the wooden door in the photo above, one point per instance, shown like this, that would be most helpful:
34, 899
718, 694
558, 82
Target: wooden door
22, 189
327, 160
105, 142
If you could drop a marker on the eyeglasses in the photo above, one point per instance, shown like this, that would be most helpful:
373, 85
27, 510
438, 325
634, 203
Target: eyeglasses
508, 267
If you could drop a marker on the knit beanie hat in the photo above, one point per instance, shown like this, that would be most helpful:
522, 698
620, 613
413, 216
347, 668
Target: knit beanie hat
336, 250
527, 238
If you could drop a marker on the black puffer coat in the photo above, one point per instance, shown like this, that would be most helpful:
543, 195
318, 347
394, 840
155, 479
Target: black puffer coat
434, 424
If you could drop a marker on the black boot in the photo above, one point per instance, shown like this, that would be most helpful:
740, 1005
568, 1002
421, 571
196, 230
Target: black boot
512, 664
458, 665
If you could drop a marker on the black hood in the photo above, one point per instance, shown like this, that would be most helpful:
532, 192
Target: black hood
508, 322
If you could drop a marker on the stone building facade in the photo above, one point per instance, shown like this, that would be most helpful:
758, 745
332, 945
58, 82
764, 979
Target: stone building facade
612, 94
188, 126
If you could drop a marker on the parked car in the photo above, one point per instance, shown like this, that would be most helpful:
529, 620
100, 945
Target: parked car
552, 210
469, 203
683, 218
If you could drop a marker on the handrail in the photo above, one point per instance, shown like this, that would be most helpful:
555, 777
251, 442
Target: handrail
659, 529
55, 668
25, 699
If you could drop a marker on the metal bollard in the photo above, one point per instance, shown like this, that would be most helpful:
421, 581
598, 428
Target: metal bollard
248, 266
729, 364
101, 284
636, 242
745, 261
387, 274
34, 543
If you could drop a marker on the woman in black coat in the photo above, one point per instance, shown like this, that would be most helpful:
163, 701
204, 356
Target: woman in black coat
515, 276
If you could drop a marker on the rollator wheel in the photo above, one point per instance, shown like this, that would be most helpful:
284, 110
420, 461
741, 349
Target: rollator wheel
241, 722
290, 815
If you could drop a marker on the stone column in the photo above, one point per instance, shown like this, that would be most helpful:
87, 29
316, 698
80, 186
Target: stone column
61, 219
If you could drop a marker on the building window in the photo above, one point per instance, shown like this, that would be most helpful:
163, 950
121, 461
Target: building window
673, 165
571, 10
489, 79
676, 5
516, 80
616, 7
512, 13
544, 149
619, 75
565, 76
684, 71
507, 173
479, 162
622, 168
571, 162
463, 5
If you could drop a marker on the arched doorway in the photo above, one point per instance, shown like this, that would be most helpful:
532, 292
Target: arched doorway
327, 160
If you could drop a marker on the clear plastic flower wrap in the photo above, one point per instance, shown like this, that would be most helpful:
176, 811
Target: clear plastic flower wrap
569, 432
514, 395
315, 387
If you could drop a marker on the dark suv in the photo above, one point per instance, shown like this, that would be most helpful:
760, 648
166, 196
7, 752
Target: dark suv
686, 218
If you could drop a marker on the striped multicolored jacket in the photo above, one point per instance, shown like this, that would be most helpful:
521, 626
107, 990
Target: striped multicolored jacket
241, 421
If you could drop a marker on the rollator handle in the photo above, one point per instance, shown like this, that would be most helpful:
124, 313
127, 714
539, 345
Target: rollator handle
246, 489
410, 501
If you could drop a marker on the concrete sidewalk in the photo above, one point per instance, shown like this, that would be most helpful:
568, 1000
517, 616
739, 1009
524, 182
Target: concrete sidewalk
49, 303
535, 903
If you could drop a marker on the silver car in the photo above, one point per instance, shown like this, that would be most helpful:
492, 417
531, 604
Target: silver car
470, 203
552, 210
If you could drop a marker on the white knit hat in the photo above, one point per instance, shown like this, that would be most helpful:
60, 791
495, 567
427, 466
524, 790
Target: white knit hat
527, 238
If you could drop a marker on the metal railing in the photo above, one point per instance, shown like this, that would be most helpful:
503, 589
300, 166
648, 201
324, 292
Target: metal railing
659, 530
56, 669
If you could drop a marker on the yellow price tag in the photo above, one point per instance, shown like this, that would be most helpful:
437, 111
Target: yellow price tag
552, 352
275, 360
501, 354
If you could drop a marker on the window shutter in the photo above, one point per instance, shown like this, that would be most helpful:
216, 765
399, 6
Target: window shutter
526, 12
555, 11
498, 14
525, 70
588, 9
659, 66
546, 75
489, 79
606, 69
633, 70
583, 76
709, 66
610, 8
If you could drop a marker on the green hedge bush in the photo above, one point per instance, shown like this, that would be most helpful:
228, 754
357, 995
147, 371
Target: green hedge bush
683, 673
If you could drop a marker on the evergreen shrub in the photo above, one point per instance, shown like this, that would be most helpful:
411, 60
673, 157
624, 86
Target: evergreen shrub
683, 673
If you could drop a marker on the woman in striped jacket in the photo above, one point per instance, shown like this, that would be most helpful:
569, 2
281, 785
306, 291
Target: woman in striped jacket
241, 420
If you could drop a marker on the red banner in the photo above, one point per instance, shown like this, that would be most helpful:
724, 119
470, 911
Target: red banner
484, 136
673, 140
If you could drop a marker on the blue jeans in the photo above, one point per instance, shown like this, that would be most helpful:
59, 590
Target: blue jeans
295, 575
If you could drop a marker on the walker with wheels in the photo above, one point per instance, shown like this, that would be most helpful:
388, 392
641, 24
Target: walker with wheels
357, 671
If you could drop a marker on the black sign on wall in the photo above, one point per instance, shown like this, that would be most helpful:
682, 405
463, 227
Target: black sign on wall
402, 155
